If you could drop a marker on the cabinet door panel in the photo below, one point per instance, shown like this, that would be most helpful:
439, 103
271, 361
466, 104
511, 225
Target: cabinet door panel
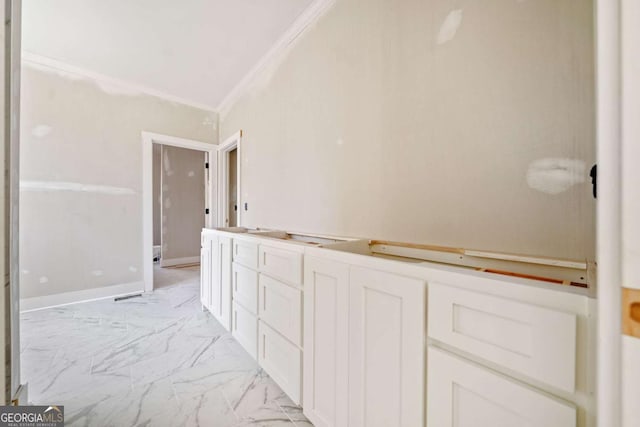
207, 254
386, 353
326, 342
205, 277
215, 277
221, 289
463, 394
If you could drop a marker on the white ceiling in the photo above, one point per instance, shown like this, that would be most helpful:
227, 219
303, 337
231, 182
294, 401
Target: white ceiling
196, 50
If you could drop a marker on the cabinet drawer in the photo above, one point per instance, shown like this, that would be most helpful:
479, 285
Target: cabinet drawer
281, 360
535, 341
281, 263
281, 307
245, 253
462, 394
245, 287
244, 329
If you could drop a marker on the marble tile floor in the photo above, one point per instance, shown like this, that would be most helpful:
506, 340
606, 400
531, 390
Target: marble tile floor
155, 360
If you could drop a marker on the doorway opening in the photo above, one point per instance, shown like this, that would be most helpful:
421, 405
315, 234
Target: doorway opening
179, 213
231, 206
178, 201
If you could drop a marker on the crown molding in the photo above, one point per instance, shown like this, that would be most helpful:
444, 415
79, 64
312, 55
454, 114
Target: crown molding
40, 61
311, 15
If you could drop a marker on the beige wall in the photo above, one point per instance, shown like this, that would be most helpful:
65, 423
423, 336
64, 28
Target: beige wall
81, 178
183, 215
430, 122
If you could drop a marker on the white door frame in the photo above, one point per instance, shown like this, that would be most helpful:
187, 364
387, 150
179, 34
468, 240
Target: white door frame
609, 216
229, 144
148, 139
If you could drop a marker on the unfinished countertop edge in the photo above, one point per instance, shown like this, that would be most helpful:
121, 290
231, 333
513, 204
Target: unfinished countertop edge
271, 237
528, 290
357, 251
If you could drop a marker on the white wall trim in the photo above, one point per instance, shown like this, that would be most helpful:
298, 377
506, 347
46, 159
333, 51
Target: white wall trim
76, 297
40, 61
609, 216
229, 144
311, 15
148, 139
179, 261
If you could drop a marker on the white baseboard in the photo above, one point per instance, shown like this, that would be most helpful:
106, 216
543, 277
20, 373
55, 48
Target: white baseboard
179, 261
85, 295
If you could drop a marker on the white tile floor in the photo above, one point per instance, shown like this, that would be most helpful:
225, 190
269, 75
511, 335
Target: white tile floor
156, 360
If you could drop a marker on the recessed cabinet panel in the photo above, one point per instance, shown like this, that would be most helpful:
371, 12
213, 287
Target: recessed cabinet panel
281, 263
280, 306
463, 394
205, 278
281, 360
221, 282
326, 342
245, 253
207, 254
386, 353
536, 341
245, 287
245, 329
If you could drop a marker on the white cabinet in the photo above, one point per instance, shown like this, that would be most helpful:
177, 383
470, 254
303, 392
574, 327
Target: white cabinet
536, 341
221, 281
281, 360
386, 349
245, 287
326, 342
463, 394
244, 329
281, 308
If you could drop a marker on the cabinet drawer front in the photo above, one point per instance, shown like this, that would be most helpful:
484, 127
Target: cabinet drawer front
245, 253
281, 360
281, 263
244, 329
463, 394
281, 307
535, 341
245, 287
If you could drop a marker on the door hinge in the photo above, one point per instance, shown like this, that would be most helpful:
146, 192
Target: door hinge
206, 165
206, 211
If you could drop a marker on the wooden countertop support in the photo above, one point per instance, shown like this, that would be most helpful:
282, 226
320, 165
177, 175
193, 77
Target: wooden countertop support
631, 312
